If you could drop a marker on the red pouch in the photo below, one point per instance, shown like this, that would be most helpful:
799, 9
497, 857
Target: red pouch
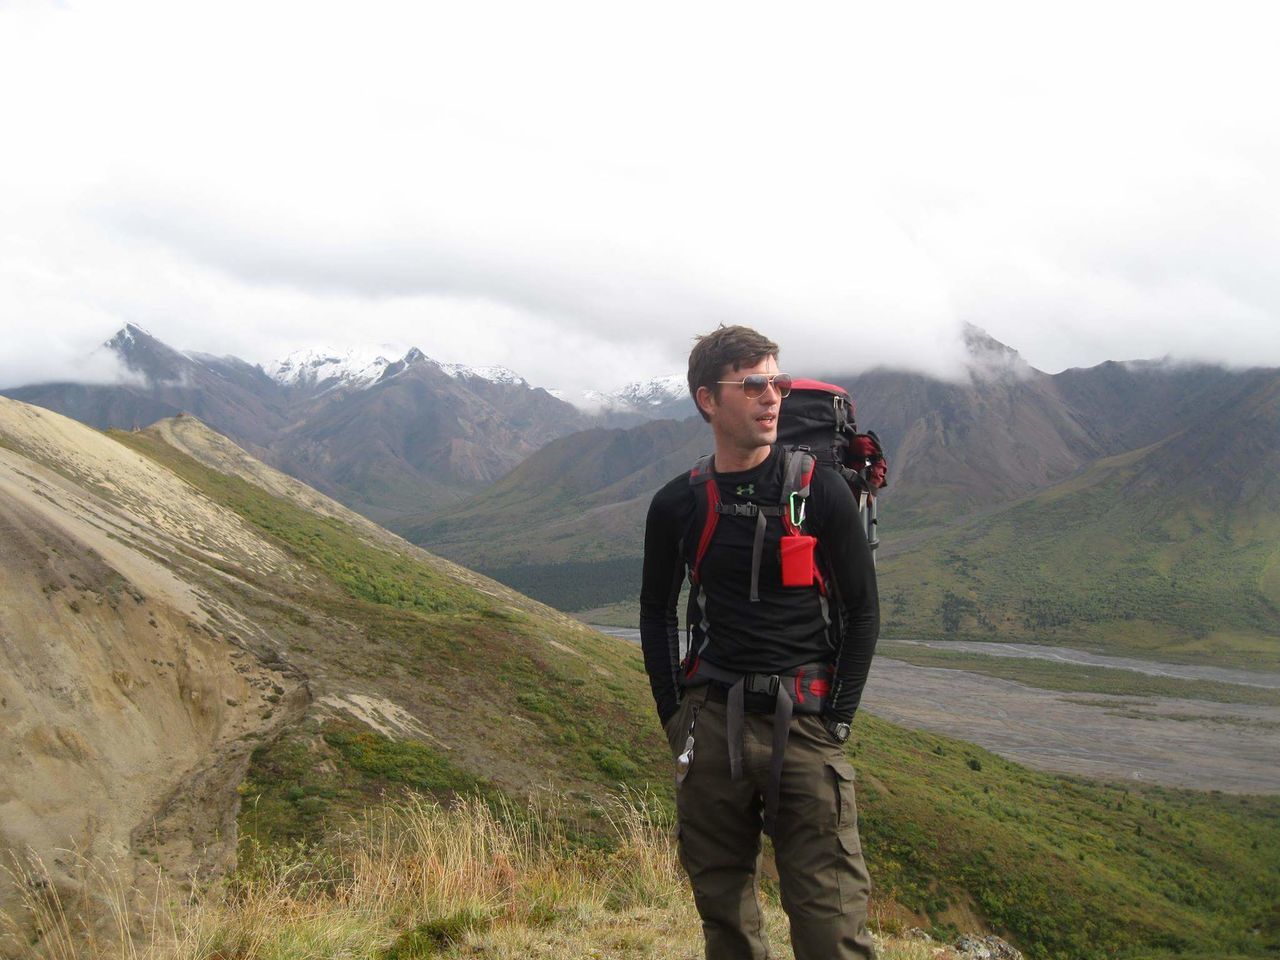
797, 560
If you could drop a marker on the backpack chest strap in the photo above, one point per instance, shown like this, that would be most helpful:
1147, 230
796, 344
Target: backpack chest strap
748, 510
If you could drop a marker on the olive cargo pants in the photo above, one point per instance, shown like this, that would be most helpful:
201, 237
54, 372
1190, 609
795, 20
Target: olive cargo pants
823, 880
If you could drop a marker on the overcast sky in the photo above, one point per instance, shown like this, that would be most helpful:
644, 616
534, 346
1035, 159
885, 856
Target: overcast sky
574, 190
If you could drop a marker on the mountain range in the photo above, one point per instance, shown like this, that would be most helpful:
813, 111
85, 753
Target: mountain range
498, 475
387, 437
1126, 506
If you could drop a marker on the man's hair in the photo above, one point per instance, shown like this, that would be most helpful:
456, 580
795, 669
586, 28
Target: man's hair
725, 346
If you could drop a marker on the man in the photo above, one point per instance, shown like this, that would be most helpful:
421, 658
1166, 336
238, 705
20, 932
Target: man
752, 749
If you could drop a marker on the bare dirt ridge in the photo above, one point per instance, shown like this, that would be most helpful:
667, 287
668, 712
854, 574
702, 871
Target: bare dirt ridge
130, 712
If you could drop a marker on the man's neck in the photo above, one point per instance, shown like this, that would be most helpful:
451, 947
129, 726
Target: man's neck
735, 459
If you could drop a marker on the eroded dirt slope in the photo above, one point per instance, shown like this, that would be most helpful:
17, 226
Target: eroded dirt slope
120, 686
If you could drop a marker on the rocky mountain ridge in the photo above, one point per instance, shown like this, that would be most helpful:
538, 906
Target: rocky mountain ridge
316, 370
387, 437
655, 398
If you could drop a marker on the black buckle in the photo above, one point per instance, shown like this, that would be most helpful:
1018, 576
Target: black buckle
766, 683
737, 509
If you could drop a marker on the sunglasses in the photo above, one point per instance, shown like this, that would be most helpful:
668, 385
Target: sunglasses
754, 385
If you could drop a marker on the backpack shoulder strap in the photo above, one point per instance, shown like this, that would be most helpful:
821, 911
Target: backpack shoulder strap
798, 465
707, 495
797, 479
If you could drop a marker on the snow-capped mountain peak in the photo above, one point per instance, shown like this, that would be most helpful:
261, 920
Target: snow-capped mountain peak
656, 390
492, 373
329, 368
126, 337
317, 366
641, 395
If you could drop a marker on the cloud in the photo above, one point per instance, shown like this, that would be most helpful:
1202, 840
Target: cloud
50, 334
74, 359
575, 190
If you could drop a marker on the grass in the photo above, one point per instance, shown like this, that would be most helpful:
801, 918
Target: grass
1069, 867
412, 880
576, 694
573, 586
1091, 563
1066, 867
625, 614
1077, 678
313, 778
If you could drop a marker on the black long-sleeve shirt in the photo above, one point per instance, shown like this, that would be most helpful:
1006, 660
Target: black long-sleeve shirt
785, 628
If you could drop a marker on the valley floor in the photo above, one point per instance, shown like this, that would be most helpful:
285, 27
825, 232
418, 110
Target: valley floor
1196, 744
1070, 711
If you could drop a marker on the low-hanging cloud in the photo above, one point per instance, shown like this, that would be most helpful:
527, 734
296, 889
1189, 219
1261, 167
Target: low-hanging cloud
77, 359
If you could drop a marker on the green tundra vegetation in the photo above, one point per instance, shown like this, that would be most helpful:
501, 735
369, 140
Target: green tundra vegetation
1090, 563
954, 835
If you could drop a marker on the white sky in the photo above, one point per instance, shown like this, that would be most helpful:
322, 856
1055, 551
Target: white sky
574, 190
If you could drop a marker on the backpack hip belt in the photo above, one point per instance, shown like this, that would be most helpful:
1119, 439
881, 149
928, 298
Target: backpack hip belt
809, 686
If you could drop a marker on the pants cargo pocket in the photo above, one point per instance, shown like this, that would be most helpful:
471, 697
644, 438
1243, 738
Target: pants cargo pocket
851, 872
846, 806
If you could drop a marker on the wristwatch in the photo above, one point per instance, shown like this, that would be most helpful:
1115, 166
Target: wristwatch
838, 731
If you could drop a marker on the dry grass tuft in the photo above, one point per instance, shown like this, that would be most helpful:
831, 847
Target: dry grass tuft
415, 879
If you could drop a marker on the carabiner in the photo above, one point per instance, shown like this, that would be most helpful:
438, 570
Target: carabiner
797, 517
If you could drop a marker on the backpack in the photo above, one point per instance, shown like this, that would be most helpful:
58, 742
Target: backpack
820, 417
816, 429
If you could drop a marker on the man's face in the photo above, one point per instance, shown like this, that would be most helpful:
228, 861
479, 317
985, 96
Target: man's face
746, 424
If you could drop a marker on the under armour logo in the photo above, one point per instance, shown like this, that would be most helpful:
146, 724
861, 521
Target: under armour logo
745, 490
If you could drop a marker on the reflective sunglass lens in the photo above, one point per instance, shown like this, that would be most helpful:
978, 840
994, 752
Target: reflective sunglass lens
755, 384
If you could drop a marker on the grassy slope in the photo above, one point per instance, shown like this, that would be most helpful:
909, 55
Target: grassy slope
417, 879
1069, 869
1073, 868
579, 498
519, 696
1088, 563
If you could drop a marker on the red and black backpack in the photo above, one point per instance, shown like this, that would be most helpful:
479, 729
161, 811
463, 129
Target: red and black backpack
820, 417
817, 430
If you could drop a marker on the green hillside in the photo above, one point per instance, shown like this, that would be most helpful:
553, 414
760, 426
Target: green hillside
580, 498
1098, 562
525, 700
526, 696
